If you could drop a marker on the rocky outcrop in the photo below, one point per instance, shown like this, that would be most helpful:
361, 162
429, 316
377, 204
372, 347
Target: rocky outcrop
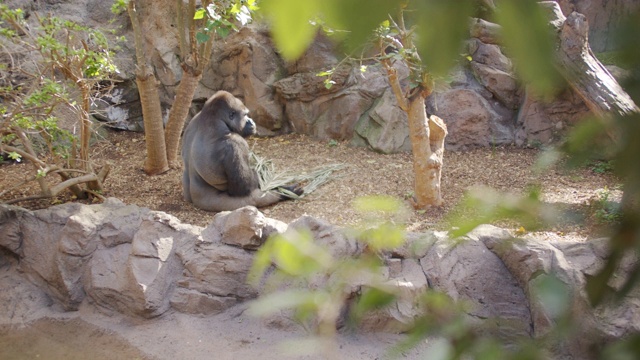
482, 103
603, 17
141, 263
132, 260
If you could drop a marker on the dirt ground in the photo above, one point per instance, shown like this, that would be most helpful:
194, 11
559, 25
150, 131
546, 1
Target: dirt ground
366, 173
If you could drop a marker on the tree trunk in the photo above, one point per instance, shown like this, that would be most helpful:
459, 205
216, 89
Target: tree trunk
586, 75
179, 111
427, 145
85, 127
156, 159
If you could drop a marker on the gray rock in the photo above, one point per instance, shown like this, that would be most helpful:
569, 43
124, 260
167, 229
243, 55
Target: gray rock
471, 120
603, 17
501, 84
241, 228
467, 271
216, 269
339, 243
247, 65
195, 302
417, 245
10, 233
384, 127
490, 55
542, 122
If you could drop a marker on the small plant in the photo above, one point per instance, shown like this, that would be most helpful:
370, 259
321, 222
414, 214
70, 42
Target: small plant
50, 65
604, 209
601, 166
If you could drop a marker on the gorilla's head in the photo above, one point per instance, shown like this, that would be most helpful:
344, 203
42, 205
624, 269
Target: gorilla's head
232, 112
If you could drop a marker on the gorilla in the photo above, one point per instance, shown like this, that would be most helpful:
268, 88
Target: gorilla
217, 173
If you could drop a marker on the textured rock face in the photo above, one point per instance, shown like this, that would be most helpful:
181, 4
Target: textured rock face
603, 16
541, 122
471, 120
142, 263
246, 65
471, 273
131, 259
482, 105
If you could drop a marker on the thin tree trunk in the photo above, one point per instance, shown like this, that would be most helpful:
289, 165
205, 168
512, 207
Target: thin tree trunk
179, 111
427, 162
156, 159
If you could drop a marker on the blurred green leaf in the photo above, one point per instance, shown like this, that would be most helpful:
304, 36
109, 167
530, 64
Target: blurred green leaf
529, 41
358, 17
385, 236
290, 27
202, 37
588, 140
483, 205
553, 294
285, 299
378, 203
199, 14
371, 299
625, 349
442, 26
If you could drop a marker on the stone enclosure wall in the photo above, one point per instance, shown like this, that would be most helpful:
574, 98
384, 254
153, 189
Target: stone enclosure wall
482, 103
121, 258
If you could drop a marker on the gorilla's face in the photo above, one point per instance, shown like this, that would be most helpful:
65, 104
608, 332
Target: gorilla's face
238, 120
249, 127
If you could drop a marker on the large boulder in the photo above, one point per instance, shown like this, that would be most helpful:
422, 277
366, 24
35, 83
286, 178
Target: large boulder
247, 65
542, 122
471, 119
603, 17
467, 271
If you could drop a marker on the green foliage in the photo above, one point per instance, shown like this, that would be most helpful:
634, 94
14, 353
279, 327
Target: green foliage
604, 209
609, 57
485, 206
291, 29
63, 58
601, 166
442, 28
437, 29
300, 262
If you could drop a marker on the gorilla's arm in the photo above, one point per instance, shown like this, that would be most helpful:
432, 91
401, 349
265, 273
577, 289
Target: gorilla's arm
242, 179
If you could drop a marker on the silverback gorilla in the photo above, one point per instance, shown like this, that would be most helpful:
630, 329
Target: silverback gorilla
217, 173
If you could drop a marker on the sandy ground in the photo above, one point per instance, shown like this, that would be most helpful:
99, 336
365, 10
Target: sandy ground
29, 330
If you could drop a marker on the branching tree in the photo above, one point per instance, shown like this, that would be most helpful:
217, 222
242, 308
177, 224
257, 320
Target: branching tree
51, 64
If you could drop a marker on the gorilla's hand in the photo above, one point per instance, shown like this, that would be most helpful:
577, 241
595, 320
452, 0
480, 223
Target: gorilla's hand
295, 188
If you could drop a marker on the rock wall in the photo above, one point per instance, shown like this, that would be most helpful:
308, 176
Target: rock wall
603, 17
142, 263
482, 103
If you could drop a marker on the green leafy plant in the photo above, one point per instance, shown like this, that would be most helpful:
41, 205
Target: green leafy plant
601, 166
605, 210
54, 64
